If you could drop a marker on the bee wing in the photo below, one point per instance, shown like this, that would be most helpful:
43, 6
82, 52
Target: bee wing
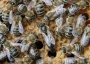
16, 44
8, 53
10, 17
21, 30
77, 54
59, 21
12, 27
74, 41
30, 5
84, 39
48, 2
51, 38
46, 39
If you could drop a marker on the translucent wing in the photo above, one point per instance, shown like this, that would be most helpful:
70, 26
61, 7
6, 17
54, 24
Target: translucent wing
10, 17
46, 39
77, 54
30, 5
25, 47
51, 38
12, 27
59, 21
21, 30
48, 2
8, 53
16, 44
73, 41
85, 39
32, 52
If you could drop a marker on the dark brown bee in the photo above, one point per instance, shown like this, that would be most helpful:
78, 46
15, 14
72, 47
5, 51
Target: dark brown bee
39, 7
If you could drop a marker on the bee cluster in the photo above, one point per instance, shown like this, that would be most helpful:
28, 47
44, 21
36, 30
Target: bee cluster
70, 23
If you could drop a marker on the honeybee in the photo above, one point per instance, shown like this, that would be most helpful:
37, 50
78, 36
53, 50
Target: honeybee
59, 21
39, 7
16, 2
11, 51
22, 8
51, 15
49, 39
26, 60
5, 16
17, 28
34, 52
48, 2
26, 42
3, 55
68, 31
57, 3
30, 15
3, 29
70, 60
73, 9
40, 61
78, 28
82, 61
83, 4
75, 49
86, 38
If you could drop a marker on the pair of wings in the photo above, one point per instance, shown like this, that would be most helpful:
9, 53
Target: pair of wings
48, 38
22, 46
20, 28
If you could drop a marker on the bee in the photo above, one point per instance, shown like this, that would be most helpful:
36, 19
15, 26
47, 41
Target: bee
40, 9
59, 21
30, 15
54, 13
14, 52
86, 38
57, 3
40, 61
73, 9
26, 42
68, 31
60, 32
70, 60
3, 29
16, 2
83, 4
2, 38
34, 52
11, 51
82, 61
75, 49
17, 28
78, 27
26, 60
48, 2
22, 8
5, 16
3, 55
49, 39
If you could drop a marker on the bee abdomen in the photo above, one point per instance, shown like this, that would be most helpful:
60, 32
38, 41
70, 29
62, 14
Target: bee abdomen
22, 8
78, 48
16, 32
68, 32
40, 9
2, 39
14, 52
5, 16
